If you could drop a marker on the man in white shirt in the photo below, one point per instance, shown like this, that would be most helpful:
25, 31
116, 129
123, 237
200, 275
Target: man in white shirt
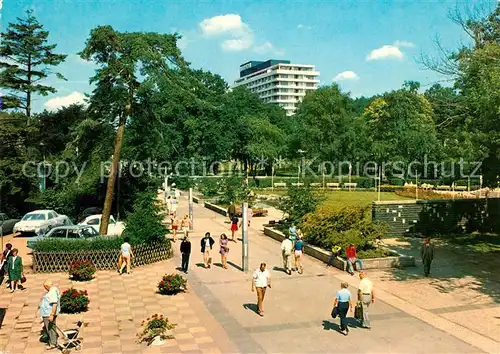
261, 281
286, 252
366, 297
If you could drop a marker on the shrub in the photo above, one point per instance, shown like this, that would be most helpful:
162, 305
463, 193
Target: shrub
82, 270
156, 326
172, 284
342, 226
74, 301
144, 224
298, 202
64, 245
209, 187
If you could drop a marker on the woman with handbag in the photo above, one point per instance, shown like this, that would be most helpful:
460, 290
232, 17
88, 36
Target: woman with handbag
343, 303
3, 267
15, 270
224, 250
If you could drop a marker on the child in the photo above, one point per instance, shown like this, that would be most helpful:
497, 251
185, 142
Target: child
234, 227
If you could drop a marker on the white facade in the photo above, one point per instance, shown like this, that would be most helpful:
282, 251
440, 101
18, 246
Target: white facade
284, 84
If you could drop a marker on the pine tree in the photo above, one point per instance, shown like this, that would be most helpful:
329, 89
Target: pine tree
25, 61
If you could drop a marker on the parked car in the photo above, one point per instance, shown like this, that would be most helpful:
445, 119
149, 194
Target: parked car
73, 232
7, 224
88, 212
114, 227
40, 222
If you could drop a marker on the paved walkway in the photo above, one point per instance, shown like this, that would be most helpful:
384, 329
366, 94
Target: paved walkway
298, 306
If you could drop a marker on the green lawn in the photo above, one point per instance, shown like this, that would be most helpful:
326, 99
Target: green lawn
361, 198
481, 243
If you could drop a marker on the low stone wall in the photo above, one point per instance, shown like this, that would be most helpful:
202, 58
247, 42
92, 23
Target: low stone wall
216, 208
52, 262
198, 200
395, 261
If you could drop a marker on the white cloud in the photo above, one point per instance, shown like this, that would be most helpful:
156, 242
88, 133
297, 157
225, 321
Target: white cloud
58, 102
268, 47
407, 44
346, 75
385, 52
302, 26
78, 60
229, 25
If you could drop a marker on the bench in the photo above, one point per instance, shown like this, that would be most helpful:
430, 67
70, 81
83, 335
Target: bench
315, 185
427, 186
444, 188
350, 185
280, 185
255, 212
299, 184
460, 188
335, 186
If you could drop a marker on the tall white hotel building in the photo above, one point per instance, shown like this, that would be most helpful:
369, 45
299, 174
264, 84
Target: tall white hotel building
279, 81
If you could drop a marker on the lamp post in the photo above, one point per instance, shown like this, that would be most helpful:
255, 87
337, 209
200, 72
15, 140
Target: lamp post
244, 237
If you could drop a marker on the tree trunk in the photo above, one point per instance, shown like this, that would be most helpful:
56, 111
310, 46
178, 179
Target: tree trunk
28, 92
108, 201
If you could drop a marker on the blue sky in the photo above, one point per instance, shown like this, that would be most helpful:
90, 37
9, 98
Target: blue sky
368, 46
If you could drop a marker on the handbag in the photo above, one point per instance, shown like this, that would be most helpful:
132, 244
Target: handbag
335, 312
23, 279
358, 311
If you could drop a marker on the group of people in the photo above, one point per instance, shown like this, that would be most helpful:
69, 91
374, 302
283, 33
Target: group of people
292, 246
12, 266
206, 245
353, 262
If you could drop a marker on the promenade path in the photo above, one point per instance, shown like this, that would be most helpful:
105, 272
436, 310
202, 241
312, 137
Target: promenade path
297, 308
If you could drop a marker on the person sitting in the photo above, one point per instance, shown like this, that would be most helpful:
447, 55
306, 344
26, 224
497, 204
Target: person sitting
336, 252
352, 261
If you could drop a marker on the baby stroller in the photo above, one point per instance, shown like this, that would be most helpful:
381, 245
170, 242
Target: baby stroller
70, 338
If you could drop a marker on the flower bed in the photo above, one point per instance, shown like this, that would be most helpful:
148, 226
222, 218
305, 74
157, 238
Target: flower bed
156, 327
82, 270
172, 284
74, 301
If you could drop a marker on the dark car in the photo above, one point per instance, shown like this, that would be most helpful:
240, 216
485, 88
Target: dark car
6, 224
88, 212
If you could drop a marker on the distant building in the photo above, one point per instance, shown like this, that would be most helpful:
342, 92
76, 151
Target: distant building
279, 81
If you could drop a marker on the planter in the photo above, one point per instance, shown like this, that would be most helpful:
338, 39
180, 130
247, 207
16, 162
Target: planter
216, 208
51, 262
395, 261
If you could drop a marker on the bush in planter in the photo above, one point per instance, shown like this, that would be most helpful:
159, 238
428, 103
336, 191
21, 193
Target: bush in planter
329, 226
82, 270
74, 301
156, 326
50, 244
299, 202
172, 284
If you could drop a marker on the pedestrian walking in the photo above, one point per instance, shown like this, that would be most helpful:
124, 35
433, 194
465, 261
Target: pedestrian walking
126, 255
231, 211
207, 243
261, 281
298, 252
15, 269
352, 261
427, 255
175, 227
3, 265
343, 302
249, 215
292, 230
50, 306
185, 225
224, 250
185, 253
234, 227
173, 207
286, 253
366, 296
169, 205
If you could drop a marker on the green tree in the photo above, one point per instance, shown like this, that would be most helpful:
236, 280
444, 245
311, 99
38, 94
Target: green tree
26, 60
126, 61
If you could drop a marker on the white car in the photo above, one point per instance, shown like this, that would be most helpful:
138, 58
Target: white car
40, 222
114, 227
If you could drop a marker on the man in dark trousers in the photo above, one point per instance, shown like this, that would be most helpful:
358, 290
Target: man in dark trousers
206, 248
231, 211
427, 255
185, 252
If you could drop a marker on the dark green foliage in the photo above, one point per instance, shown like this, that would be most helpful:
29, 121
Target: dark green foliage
62, 245
144, 224
26, 58
329, 226
299, 202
